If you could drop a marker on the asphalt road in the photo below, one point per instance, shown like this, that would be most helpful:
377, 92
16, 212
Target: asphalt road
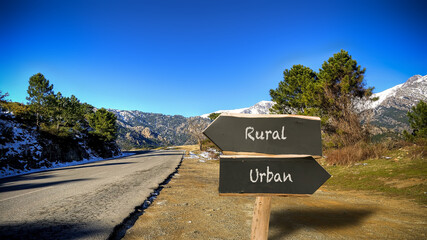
81, 202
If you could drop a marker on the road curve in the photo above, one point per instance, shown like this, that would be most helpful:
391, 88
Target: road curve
81, 202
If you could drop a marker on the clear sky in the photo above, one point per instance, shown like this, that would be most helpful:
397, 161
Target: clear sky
195, 57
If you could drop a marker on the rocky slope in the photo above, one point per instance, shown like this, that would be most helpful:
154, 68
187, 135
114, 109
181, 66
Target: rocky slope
140, 129
388, 112
23, 149
393, 104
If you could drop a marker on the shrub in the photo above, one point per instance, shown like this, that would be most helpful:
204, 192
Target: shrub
355, 153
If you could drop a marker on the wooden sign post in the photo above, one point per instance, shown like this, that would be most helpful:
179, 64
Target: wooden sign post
267, 155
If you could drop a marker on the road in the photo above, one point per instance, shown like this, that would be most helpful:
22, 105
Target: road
81, 202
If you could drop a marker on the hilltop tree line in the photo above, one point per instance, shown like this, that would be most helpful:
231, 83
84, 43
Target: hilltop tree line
60, 115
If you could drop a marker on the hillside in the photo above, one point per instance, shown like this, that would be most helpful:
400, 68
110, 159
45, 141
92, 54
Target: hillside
146, 130
24, 149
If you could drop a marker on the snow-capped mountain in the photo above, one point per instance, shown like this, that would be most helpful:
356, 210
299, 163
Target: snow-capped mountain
262, 107
393, 104
388, 111
410, 92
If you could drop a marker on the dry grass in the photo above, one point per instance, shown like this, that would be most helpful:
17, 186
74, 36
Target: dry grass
355, 153
362, 151
188, 148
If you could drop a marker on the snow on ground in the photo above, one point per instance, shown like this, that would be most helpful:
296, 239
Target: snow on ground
9, 172
205, 155
15, 140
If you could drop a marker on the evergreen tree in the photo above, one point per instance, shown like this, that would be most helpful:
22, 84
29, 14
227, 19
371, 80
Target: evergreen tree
342, 81
297, 93
38, 91
418, 121
330, 94
103, 124
3, 96
213, 116
56, 105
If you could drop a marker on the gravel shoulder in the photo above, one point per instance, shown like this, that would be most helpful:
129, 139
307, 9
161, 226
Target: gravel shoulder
189, 207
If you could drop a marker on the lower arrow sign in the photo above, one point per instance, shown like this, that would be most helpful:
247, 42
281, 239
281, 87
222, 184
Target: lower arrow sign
270, 175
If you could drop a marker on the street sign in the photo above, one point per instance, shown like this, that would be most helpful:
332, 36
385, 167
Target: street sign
266, 133
270, 175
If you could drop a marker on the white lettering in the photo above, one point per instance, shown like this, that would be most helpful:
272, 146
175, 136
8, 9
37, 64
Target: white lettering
248, 134
265, 134
283, 133
277, 177
286, 177
256, 179
261, 135
262, 174
276, 135
269, 176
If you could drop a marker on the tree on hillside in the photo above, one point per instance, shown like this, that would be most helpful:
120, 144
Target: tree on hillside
297, 93
343, 85
103, 124
330, 94
38, 91
3, 100
3, 96
342, 81
213, 116
54, 109
195, 128
418, 121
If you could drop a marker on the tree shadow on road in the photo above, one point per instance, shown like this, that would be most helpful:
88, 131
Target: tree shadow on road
285, 222
49, 230
37, 185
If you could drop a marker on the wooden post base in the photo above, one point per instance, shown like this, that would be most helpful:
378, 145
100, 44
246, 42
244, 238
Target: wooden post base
261, 218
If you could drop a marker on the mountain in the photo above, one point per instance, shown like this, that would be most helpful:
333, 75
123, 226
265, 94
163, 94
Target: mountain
262, 107
140, 129
390, 109
388, 112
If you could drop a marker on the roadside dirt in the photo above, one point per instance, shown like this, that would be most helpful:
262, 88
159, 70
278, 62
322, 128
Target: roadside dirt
189, 207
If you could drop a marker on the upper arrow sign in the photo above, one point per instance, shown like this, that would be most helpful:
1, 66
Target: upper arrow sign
265, 133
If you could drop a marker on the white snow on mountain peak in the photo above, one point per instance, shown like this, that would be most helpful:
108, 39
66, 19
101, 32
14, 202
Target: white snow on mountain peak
262, 107
384, 95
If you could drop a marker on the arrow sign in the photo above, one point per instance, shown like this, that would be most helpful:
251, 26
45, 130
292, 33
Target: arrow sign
266, 133
271, 175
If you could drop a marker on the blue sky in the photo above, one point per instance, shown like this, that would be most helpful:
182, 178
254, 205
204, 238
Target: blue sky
194, 57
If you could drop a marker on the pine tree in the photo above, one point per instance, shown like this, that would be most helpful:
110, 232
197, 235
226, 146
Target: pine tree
213, 116
38, 91
342, 80
330, 94
297, 93
103, 124
418, 121
56, 105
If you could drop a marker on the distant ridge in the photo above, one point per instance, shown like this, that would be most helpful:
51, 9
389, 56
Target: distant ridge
149, 130
262, 107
